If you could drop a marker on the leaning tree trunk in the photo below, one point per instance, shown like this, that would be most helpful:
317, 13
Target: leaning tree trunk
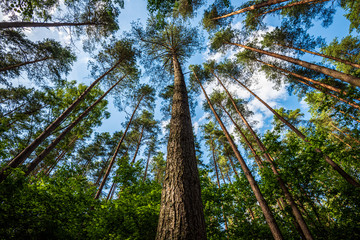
324, 85
355, 81
138, 145
23, 64
303, 228
147, 165
181, 211
54, 143
291, 5
21, 157
255, 188
336, 167
4, 25
253, 7
112, 161
322, 55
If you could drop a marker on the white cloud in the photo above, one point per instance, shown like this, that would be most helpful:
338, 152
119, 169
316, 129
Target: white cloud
163, 126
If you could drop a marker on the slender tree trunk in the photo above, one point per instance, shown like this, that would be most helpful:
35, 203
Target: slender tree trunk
147, 165
16, 108
4, 25
21, 157
181, 212
233, 167
23, 64
218, 180
291, 5
103, 170
54, 143
336, 167
338, 138
296, 213
355, 81
138, 145
354, 118
256, 156
262, 202
253, 7
97, 195
330, 94
59, 157
351, 137
322, 55
324, 85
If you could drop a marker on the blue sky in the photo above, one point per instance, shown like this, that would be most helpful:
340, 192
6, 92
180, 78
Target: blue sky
136, 10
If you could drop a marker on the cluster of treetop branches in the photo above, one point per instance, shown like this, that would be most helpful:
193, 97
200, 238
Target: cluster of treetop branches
59, 179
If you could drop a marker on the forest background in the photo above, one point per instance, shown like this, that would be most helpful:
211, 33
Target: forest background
52, 193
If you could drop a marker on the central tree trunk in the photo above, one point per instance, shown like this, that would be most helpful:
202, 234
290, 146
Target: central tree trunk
181, 213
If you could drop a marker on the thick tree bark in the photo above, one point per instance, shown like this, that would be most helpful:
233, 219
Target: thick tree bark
336, 167
259, 197
253, 7
181, 213
23, 64
290, 5
4, 25
138, 145
21, 157
355, 81
112, 161
322, 55
54, 143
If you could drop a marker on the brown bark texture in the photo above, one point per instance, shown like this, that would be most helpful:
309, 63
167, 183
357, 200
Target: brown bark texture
181, 211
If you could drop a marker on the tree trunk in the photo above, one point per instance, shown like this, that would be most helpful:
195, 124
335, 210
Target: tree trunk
262, 202
4, 25
215, 165
256, 156
112, 161
22, 64
355, 81
181, 212
354, 118
336, 167
296, 213
338, 138
147, 165
290, 5
322, 55
306, 78
59, 157
21, 157
351, 137
138, 145
54, 143
253, 7
327, 93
